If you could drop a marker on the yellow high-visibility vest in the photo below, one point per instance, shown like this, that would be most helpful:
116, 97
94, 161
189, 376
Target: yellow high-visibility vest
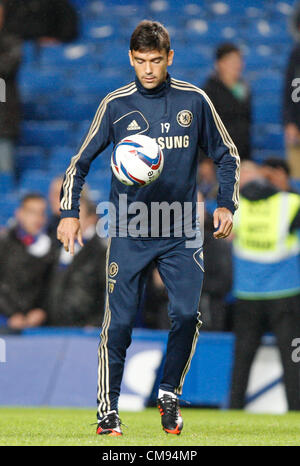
262, 228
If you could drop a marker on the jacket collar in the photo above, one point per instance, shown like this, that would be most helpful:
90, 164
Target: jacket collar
158, 91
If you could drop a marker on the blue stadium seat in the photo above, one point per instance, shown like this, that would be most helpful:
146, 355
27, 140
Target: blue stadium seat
267, 110
46, 134
30, 157
260, 155
259, 58
295, 183
34, 81
280, 10
197, 56
79, 4
35, 180
98, 83
8, 205
74, 54
268, 137
212, 32
266, 32
70, 108
6, 183
60, 157
101, 30
29, 52
268, 82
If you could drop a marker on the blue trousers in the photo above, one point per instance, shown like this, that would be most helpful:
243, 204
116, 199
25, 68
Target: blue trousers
127, 264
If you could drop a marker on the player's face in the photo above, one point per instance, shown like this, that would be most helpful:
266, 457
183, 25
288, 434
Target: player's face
151, 67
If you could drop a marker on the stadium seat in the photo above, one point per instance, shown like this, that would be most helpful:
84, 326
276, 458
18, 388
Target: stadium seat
8, 205
295, 184
268, 82
35, 181
267, 110
30, 157
260, 155
6, 183
46, 134
75, 54
267, 32
34, 81
60, 157
268, 137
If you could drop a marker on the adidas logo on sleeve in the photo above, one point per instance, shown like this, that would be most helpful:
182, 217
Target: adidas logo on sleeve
133, 126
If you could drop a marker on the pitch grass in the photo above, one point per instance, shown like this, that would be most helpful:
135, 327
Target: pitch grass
64, 426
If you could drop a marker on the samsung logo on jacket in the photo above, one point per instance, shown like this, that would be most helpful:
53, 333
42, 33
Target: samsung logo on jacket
173, 142
181, 117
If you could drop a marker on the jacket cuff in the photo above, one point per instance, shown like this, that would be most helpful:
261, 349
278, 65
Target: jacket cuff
69, 213
228, 204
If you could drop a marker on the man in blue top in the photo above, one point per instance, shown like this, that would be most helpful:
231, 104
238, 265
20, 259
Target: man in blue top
181, 118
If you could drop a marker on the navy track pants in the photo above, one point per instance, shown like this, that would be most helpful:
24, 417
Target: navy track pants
127, 264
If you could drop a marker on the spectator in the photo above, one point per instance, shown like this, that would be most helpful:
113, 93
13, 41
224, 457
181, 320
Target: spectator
266, 280
277, 172
54, 203
231, 96
25, 261
45, 20
291, 111
77, 286
217, 279
155, 311
10, 58
207, 179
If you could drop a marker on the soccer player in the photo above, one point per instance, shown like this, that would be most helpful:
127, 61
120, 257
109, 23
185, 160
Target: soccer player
181, 118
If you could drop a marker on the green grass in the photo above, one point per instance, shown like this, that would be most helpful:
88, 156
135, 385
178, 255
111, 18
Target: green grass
55, 426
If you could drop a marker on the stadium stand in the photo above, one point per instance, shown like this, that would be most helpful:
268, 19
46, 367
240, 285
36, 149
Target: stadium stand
62, 85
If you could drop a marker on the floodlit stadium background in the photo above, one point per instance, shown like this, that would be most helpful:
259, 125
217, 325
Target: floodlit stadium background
61, 87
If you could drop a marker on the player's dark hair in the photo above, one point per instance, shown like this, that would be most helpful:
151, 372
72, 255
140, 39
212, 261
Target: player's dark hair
150, 35
276, 162
225, 49
32, 196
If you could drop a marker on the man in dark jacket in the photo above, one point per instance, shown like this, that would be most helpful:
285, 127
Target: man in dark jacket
25, 261
231, 96
10, 58
77, 286
217, 280
42, 19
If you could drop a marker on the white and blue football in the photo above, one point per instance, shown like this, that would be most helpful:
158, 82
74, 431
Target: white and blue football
137, 160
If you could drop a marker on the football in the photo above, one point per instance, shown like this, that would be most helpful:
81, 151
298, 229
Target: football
137, 160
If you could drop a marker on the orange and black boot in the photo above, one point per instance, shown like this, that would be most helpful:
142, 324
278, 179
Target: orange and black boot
171, 419
110, 425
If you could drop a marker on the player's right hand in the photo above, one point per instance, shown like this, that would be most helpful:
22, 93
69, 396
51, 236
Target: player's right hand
68, 231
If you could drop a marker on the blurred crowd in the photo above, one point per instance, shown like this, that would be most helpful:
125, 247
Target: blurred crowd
252, 280
42, 284
45, 22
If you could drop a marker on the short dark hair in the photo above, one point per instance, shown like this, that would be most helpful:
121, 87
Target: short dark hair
225, 49
277, 163
31, 196
150, 35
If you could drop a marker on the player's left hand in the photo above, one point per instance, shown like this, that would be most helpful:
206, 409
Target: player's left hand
223, 221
